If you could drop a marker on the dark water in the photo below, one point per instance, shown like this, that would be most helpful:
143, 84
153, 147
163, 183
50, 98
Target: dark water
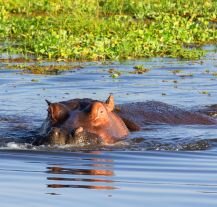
161, 166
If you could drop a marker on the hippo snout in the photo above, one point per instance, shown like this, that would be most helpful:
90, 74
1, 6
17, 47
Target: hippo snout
78, 136
57, 136
60, 136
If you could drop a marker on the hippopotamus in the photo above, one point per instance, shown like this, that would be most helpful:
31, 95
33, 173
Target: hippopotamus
90, 122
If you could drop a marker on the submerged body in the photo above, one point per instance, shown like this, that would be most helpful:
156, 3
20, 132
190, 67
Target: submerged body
91, 122
155, 112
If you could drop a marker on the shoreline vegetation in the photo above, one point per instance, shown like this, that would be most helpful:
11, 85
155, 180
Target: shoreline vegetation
99, 30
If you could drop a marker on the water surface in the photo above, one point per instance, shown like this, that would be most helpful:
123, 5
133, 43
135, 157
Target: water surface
161, 166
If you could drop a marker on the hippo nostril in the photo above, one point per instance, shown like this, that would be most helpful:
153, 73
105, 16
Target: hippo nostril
54, 131
77, 131
57, 136
57, 131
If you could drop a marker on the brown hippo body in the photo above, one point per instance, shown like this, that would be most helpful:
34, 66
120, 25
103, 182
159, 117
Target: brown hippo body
87, 121
137, 115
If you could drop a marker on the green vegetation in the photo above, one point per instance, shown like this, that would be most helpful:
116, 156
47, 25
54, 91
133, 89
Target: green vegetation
140, 69
176, 71
37, 68
107, 29
114, 73
205, 93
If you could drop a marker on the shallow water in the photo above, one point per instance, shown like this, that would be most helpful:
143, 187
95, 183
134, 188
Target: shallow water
162, 165
108, 178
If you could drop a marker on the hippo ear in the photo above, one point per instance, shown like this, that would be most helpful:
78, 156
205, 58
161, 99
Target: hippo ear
58, 112
110, 104
97, 113
48, 102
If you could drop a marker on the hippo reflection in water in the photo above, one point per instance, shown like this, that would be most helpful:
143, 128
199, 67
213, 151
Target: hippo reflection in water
92, 122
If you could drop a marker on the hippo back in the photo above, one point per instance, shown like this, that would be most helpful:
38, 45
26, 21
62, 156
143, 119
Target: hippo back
142, 113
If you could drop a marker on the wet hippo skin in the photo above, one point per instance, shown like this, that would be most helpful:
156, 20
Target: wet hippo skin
91, 122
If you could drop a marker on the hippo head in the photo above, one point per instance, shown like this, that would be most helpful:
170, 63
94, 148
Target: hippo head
83, 121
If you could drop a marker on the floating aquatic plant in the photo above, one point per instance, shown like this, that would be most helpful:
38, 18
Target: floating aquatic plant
102, 30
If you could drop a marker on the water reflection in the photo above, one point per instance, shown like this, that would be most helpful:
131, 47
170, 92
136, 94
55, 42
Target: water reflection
96, 174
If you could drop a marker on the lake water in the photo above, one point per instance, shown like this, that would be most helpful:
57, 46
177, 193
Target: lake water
161, 166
